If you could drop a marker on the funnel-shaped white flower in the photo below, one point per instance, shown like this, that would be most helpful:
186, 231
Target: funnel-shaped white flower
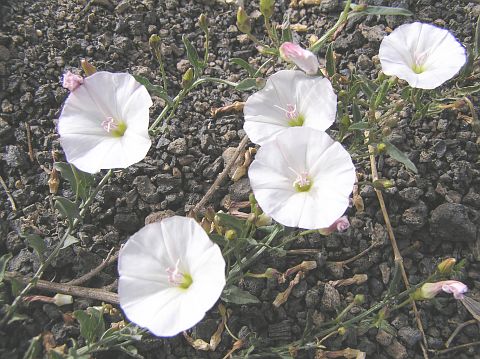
289, 99
302, 178
104, 122
422, 54
170, 275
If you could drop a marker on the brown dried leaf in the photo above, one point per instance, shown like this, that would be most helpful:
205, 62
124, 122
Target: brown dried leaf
197, 344
299, 27
282, 297
48, 341
234, 107
53, 181
356, 279
237, 345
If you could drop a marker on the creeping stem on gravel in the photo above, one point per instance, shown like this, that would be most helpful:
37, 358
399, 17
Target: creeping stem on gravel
33, 281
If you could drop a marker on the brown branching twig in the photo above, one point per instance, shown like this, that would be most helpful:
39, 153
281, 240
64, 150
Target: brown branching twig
76, 291
461, 346
221, 176
396, 252
84, 278
457, 330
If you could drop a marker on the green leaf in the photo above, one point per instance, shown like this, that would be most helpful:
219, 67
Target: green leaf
231, 222
91, 322
378, 10
67, 208
398, 155
247, 84
476, 42
54, 355
368, 87
17, 317
192, 56
3, 264
381, 93
34, 350
359, 126
155, 90
245, 65
17, 286
468, 90
233, 294
286, 30
357, 115
37, 243
330, 61
80, 182
69, 241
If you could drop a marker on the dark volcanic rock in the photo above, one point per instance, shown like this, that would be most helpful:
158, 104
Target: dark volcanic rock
451, 222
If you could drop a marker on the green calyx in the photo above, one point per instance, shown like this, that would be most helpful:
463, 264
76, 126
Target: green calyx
186, 282
296, 121
119, 130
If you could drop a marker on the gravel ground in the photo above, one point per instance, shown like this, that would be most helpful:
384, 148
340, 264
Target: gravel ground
435, 214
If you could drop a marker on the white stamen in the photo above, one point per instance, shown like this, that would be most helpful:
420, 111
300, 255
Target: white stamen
109, 124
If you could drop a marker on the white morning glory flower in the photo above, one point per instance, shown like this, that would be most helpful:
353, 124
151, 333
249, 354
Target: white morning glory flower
302, 178
422, 54
171, 273
104, 122
289, 99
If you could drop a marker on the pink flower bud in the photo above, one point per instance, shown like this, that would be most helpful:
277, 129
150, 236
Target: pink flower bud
430, 290
340, 225
71, 81
304, 59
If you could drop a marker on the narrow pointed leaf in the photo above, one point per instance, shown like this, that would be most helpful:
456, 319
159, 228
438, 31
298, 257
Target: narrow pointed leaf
3, 264
192, 55
233, 294
155, 90
80, 182
476, 43
330, 65
379, 10
247, 84
245, 65
398, 155
67, 209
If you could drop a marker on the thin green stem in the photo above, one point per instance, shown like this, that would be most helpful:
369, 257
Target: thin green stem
341, 20
38, 274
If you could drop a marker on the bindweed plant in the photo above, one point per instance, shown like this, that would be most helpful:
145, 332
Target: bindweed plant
312, 124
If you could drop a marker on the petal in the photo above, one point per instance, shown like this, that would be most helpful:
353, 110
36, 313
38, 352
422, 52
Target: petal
318, 102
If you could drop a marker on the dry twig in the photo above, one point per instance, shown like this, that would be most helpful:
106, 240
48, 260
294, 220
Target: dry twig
84, 278
396, 252
9, 195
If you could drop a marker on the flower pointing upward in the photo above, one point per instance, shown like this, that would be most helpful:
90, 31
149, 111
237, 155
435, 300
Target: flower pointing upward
422, 54
289, 99
170, 275
104, 122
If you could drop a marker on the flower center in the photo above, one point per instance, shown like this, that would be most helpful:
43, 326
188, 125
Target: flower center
294, 118
114, 127
419, 60
177, 278
303, 182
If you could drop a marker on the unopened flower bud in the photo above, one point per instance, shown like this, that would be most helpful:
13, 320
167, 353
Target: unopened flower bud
263, 220
260, 83
272, 273
304, 59
231, 234
386, 131
312, 39
251, 199
359, 299
383, 183
87, 67
243, 21
341, 331
445, 267
430, 290
267, 7
62, 299
187, 78
203, 22
340, 225
252, 218
381, 147
71, 81
154, 41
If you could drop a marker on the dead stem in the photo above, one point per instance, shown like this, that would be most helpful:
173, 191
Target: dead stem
457, 330
84, 278
29, 141
355, 257
221, 176
76, 291
7, 191
462, 346
397, 255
